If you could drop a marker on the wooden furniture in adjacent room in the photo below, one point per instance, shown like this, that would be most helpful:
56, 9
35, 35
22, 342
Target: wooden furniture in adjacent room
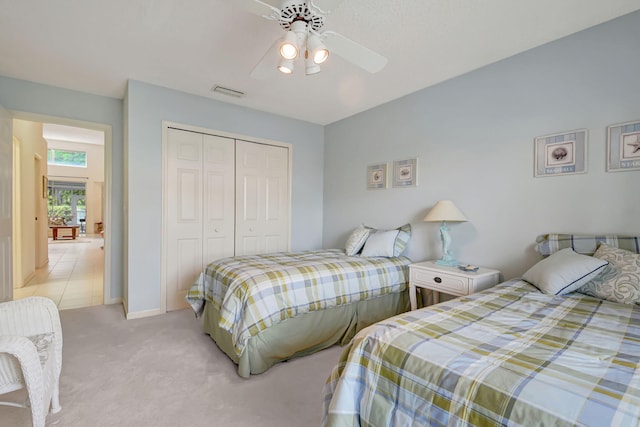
56, 228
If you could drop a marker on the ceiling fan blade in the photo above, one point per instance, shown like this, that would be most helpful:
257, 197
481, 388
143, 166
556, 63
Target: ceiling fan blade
326, 6
268, 65
353, 52
259, 8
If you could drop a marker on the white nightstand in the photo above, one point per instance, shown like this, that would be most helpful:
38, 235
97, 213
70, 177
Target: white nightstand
450, 280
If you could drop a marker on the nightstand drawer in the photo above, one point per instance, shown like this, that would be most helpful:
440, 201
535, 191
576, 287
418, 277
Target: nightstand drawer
438, 281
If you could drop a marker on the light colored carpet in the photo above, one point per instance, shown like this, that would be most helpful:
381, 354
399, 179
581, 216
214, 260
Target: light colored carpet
164, 371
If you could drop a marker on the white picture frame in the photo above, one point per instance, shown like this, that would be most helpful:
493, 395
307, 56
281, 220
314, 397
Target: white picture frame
623, 147
377, 176
405, 173
562, 153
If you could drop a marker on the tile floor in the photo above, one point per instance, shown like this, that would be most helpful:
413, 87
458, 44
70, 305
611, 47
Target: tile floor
73, 277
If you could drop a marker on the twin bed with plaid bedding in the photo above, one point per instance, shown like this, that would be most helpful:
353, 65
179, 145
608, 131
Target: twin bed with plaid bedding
252, 293
506, 356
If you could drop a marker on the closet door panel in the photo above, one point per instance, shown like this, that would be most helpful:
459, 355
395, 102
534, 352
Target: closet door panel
184, 214
262, 219
189, 252
277, 203
219, 198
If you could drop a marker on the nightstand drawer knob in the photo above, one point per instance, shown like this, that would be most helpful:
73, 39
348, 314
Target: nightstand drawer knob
437, 280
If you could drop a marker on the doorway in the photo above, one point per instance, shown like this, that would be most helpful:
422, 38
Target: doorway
70, 192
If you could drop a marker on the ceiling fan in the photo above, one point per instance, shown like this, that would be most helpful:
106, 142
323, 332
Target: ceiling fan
304, 37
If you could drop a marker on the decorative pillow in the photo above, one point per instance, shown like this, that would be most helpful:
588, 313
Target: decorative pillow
356, 240
548, 244
42, 343
380, 243
404, 234
563, 272
620, 282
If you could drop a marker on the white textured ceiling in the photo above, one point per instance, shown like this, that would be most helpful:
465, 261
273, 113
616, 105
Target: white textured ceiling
55, 132
95, 46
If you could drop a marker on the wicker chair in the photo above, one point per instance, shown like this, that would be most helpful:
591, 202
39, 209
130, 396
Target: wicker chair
31, 354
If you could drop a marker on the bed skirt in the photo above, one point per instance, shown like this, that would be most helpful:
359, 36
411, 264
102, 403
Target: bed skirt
305, 334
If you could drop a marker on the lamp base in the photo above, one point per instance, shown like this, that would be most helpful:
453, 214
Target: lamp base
450, 263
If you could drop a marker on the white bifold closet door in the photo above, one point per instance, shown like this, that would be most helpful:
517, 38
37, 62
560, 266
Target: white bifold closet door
223, 197
200, 208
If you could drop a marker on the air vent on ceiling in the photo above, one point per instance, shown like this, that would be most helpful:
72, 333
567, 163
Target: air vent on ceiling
226, 91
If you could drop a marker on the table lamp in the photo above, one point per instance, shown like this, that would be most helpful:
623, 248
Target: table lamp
445, 211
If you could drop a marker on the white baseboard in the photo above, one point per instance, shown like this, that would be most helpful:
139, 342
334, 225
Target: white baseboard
143, 313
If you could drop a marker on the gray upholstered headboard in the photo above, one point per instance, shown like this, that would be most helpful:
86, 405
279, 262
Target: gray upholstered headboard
586, 244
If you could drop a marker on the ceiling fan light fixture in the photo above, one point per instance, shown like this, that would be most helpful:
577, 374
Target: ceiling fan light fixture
289, 46
319, 51
310, 66
286, 66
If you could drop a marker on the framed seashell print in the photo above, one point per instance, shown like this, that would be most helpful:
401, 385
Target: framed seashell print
377, 176
561, 153
405, 173
623, 147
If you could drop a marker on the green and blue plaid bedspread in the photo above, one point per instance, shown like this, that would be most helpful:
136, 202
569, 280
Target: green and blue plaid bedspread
508, 356
256, 291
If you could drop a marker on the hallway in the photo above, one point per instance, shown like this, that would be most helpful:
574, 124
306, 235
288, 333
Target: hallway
73, 277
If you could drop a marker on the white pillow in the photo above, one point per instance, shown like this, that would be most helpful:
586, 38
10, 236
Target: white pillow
380, 243
563, 272
356, 240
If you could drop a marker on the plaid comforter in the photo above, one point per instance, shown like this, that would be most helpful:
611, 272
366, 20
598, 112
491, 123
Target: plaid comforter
506, 356
254, 292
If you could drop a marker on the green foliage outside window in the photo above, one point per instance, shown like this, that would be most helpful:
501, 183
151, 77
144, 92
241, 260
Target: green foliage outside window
66, 158
59, 205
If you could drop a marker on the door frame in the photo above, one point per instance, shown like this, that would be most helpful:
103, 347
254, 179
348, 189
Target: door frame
190, 128
6, 205
108, 178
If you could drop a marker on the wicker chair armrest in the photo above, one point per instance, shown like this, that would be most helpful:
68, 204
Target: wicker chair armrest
27, 356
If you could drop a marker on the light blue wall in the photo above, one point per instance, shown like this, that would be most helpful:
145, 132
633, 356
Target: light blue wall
473, 136
35, 99
147, 107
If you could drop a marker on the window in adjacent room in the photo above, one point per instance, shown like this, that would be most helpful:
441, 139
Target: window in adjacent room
66, 158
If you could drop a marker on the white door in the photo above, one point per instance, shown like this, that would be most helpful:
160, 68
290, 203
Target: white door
6, 183
262, 198
199, 208
184, 214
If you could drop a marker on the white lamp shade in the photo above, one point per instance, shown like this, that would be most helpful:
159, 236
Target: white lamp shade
445, 210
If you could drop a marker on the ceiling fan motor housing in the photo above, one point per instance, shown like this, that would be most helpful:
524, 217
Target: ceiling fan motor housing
297, 11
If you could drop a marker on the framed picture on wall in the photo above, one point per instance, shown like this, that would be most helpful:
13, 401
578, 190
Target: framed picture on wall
623, 147
561, 153
377, 176
405, 173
